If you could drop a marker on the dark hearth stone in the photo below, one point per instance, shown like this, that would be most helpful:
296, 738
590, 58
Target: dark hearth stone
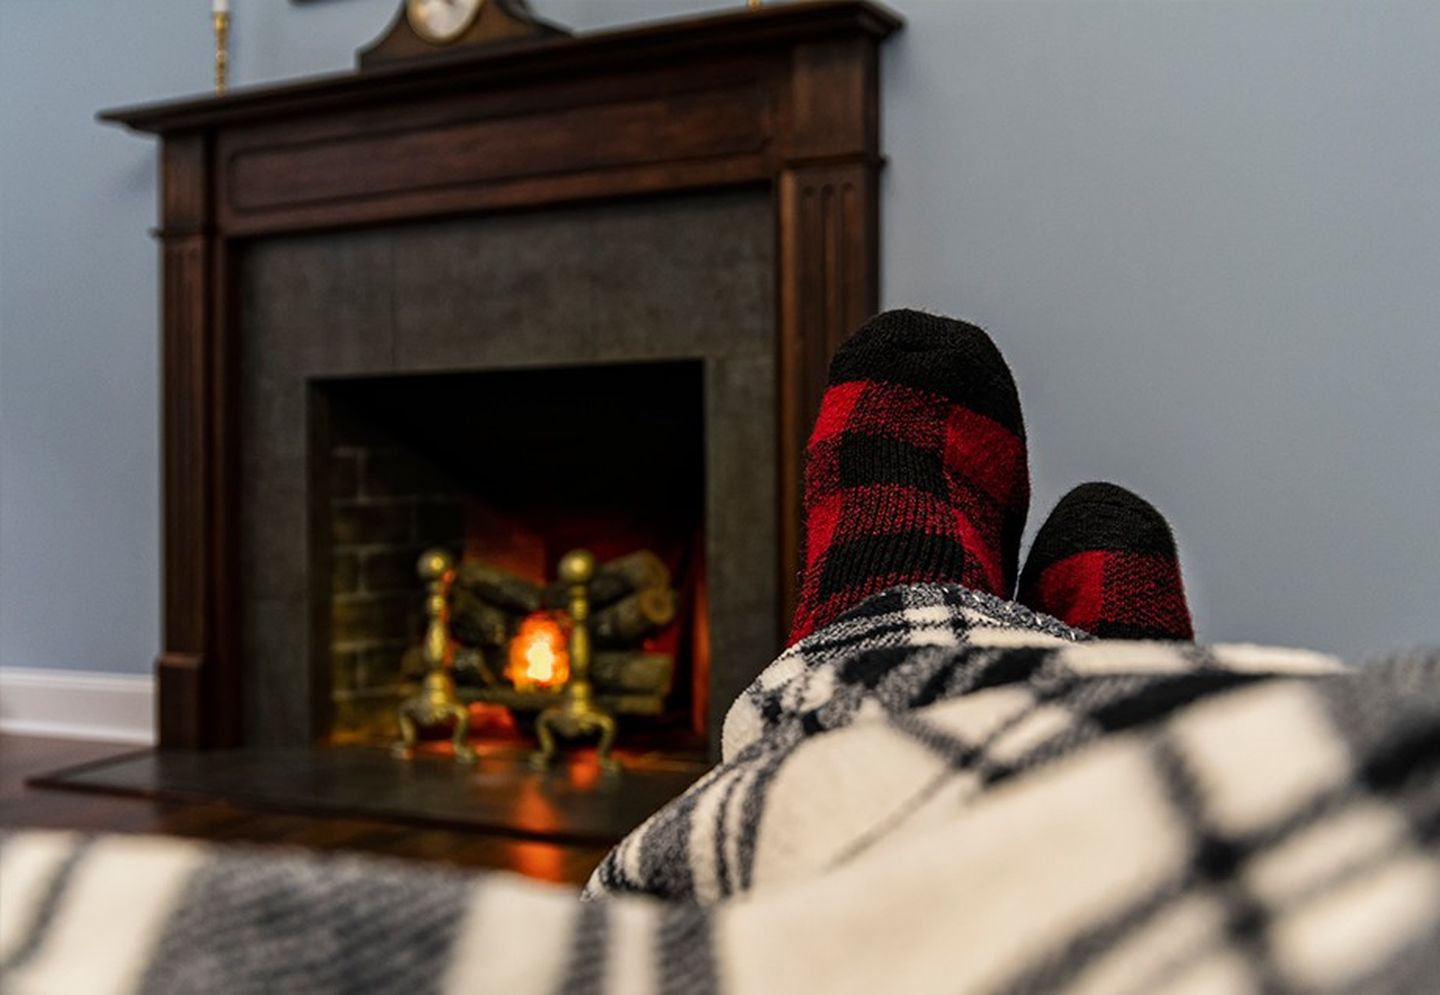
572, 803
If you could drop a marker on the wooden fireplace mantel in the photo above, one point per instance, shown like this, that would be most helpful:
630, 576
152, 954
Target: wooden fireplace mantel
786, 97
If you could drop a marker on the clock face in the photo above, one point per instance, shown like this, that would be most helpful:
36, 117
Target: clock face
442, 20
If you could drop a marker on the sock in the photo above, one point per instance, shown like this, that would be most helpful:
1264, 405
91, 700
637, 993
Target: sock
916, 470
1105, 561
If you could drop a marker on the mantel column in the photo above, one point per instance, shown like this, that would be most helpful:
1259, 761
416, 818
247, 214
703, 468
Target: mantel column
189, 669
828, 195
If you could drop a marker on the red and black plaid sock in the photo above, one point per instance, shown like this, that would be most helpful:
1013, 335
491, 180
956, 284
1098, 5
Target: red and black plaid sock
1105, 561
916, 470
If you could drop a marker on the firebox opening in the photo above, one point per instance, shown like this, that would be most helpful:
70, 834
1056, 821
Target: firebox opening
507, 469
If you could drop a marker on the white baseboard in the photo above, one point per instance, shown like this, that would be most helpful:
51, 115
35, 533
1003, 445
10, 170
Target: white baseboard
74, 704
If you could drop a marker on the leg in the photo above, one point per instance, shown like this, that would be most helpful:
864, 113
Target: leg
607, 742
1105, 561
541, 758
405, 748
464, 752
916, 471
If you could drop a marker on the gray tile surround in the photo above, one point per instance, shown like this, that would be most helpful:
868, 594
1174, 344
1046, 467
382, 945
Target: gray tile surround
667, 278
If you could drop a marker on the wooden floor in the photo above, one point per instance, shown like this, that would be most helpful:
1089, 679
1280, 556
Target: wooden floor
22, 757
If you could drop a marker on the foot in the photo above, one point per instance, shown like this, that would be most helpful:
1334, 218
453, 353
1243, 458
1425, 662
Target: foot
916, 471
1105, 561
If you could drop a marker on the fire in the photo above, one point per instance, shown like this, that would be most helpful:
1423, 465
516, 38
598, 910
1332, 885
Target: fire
539, 659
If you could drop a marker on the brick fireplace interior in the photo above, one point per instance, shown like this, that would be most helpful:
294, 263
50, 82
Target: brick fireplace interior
512, 469
508, 387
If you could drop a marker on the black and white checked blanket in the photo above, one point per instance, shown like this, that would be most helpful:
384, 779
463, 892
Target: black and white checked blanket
941, 792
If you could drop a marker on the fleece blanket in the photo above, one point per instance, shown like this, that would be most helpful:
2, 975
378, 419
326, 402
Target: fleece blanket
941, 792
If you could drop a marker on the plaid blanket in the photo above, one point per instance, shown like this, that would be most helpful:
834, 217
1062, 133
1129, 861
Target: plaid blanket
939, 792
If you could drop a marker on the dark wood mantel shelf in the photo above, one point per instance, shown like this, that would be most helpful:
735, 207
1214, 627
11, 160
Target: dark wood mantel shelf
783, 99
780, 24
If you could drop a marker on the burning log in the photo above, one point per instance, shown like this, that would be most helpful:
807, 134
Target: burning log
472, 669
633, 673
499, 587
628, 621
493, 611
475, 622
508, 654
615, 579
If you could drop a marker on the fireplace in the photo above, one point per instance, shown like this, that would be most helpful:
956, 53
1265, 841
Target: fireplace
507, 471
506, 388
382, 292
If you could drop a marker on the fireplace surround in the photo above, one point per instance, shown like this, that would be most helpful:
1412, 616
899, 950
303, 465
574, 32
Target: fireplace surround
713, 180
597, 375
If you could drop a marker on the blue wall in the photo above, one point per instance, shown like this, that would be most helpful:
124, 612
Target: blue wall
1206, 234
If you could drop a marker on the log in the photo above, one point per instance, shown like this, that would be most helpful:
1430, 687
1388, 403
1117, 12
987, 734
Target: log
472, 669
631, 619
615, 579
499, 587
475, 622
633, 673
637, 571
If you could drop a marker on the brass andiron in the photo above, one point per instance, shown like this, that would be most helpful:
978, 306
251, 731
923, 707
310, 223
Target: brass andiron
436, 701
577, 714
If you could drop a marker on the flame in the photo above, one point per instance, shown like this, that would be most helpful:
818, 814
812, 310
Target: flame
539, 659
